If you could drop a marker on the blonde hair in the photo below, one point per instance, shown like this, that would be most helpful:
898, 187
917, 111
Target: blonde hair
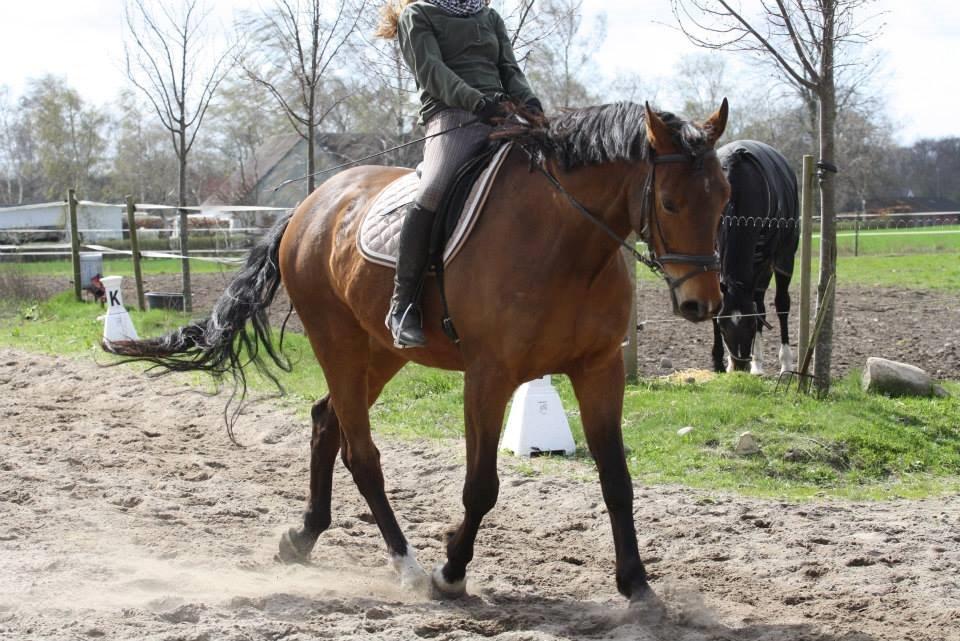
389, 17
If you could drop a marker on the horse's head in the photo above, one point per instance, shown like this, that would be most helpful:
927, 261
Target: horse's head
738, 323
677, 211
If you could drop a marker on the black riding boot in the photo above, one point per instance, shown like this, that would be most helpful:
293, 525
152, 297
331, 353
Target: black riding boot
403, 319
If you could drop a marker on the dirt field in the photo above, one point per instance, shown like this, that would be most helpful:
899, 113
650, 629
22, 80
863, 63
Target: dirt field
125, 513
900, 324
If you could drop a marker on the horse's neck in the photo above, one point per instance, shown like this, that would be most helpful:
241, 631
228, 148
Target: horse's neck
604, 191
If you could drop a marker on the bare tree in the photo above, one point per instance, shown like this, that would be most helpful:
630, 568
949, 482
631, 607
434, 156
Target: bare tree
298, 43
809, 42
167, 60
561, 54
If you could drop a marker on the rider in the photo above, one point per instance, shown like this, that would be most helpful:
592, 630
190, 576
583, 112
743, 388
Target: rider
464, 65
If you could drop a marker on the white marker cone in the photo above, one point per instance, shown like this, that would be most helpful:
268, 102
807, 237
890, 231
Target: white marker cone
117, 325
537, 422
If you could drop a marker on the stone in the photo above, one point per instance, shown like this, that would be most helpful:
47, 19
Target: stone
666, 363
684, 430
747, 444
882, 376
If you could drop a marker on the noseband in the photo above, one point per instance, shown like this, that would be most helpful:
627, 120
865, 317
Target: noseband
648, 219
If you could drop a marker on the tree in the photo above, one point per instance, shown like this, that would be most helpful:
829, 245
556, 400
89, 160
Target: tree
296, 48
166, 60
142, 164
808, 42
560, 56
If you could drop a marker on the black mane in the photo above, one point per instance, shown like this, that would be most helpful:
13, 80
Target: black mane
607, 133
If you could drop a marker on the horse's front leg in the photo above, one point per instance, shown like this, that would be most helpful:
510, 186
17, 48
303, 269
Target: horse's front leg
598, 384
718, 365
485, 397
781, 302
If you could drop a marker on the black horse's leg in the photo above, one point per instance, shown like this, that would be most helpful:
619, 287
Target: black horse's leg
295, 545
718, 365
598, 385
485, 398
782, 304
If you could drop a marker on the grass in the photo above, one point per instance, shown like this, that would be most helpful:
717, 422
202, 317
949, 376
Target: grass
850, 445
878, 242
939, 271
119, 266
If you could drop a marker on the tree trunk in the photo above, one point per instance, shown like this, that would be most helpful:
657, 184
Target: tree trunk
311, 154
828, 223
184, 240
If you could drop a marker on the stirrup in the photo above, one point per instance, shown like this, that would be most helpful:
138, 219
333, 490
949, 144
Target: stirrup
400, 327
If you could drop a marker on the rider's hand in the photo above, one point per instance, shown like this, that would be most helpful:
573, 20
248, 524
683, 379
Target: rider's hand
490, 108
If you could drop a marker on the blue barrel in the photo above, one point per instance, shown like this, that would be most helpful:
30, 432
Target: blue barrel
91, 264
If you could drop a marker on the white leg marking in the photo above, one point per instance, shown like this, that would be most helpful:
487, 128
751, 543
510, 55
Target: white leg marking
756, 364
412, 576
786, 358
448, 590
729, 363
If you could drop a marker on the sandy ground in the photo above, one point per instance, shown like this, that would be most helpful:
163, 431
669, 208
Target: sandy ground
125, 513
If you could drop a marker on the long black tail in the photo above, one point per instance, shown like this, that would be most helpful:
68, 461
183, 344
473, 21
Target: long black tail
234, 334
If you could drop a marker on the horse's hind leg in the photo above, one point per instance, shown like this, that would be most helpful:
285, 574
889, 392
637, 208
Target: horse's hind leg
598, 385
296, 544
485, 398
782, 304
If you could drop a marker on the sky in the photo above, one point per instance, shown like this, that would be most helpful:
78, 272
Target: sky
82, 40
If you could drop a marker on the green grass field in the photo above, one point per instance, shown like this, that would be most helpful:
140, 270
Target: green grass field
849, 445
884, 242
118, 266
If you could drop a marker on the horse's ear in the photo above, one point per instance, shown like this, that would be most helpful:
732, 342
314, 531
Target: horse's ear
657, 132
716, 123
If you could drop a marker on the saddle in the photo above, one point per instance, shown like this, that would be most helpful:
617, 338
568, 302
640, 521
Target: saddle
379, 235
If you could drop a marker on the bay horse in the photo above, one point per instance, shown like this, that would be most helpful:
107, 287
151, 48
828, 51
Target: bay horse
538, 288
758, 239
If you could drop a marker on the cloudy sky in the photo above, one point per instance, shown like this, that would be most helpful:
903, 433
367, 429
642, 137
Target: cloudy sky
82, 41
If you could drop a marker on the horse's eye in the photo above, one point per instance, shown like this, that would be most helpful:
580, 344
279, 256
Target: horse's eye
669, 205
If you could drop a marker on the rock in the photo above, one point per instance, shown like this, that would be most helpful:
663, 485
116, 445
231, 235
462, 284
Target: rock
883, 376
746, 445
684, 430
666, 363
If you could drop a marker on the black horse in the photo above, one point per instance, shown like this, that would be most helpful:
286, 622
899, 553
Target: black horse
759, 234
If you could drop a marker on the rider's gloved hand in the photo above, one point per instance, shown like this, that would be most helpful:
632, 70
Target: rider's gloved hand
490, 107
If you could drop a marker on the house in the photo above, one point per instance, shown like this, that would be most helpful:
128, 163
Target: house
51, 221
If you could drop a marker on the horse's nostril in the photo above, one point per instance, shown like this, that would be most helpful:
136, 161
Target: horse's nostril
693, 310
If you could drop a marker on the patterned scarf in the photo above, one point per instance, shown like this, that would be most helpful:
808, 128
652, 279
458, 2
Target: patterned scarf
460, 7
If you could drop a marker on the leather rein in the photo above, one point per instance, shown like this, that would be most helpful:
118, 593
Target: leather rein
648, 217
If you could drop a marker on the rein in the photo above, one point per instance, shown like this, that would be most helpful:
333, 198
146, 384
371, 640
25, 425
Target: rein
702, 263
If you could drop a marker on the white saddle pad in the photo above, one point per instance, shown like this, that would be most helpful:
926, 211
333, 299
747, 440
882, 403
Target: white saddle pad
379, 237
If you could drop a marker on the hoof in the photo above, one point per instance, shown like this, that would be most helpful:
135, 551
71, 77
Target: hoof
646, 607
292, 549
444, 590
412, 576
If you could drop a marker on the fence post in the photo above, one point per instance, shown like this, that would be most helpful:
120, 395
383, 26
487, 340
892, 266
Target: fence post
135, 250
185, 262
630, 349
806, 236
74, 243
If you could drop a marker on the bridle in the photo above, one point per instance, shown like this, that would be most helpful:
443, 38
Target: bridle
649, 219
648, 215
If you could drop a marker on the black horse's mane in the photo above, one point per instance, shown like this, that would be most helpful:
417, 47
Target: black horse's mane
607, 133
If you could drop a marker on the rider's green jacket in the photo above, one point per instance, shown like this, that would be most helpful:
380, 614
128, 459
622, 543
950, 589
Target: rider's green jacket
456, 60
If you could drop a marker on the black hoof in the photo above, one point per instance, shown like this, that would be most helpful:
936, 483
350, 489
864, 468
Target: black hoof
293, 549
646, 607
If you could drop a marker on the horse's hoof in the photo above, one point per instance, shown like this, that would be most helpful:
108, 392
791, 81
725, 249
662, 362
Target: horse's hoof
646, 607
412, 576
291, 551
442, 589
